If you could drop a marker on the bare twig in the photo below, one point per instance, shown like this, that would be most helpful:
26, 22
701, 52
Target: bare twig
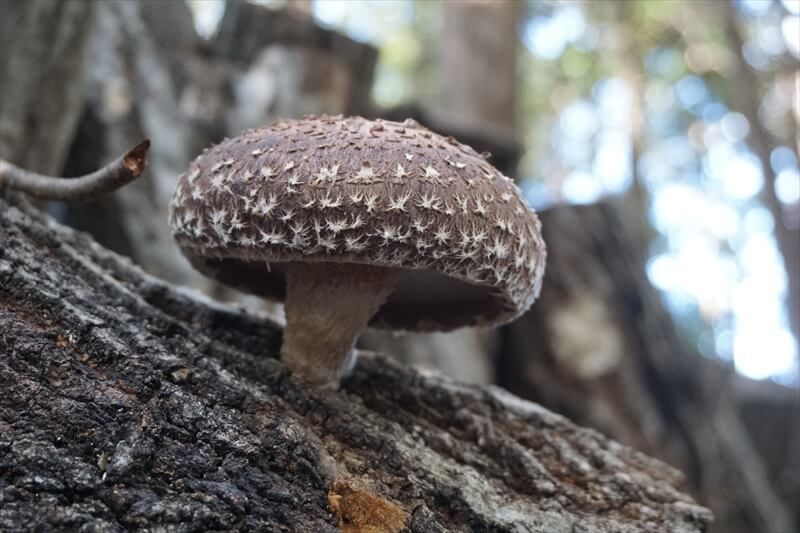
109, 178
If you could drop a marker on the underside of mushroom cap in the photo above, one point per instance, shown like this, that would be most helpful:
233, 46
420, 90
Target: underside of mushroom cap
349, 190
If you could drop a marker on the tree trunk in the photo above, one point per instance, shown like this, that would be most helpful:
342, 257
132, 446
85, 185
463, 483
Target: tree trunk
600, 347
42, 68
148, 78
476, 103
133, 91
746, 98
294, 66
478, 65
128, 403
152, 76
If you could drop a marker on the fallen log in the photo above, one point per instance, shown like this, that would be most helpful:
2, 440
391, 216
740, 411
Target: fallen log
129, 403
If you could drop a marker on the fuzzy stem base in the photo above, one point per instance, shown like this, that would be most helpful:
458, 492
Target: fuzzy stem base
327, 307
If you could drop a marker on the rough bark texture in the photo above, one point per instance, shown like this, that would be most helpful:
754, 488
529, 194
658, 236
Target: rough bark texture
600, 347
130, 404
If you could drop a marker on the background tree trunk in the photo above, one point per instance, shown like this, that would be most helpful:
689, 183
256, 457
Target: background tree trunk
747, 99
152, 75
133, 91
478, 66
42, 68
476, 62
600, 347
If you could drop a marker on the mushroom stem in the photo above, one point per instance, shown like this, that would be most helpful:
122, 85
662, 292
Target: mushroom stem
327, 307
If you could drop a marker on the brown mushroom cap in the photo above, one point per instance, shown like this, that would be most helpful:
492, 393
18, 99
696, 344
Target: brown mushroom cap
350, 190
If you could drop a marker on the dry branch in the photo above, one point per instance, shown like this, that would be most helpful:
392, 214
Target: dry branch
111, 177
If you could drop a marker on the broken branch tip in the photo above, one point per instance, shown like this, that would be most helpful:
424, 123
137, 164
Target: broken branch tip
136, 158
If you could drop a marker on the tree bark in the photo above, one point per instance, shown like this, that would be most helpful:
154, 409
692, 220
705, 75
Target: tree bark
128, 403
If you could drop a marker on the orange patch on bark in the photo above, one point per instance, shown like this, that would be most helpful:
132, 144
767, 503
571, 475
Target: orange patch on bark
359, 511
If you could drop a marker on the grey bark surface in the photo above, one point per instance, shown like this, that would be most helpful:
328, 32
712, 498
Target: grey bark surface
600, 347
129, 403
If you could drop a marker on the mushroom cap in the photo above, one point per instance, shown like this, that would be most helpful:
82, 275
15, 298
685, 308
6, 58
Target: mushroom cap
351, 190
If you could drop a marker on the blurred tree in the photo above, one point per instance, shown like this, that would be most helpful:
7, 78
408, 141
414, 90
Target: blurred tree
567, 353
600, 347
152, 75
747, 99
141, 55
477, 62
42, 69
